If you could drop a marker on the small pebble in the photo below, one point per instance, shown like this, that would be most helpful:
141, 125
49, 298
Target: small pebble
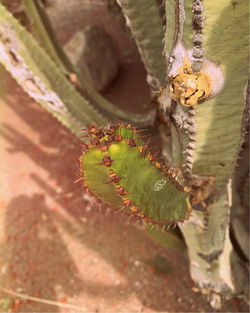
4, 269
137, 284
136, 263
88, 208
179, 300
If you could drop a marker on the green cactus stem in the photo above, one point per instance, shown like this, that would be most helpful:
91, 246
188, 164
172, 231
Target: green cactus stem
120, 171
208, 134
210, 250
240, 207
143, 17
168, 237
39, 76
43, 30
218, 115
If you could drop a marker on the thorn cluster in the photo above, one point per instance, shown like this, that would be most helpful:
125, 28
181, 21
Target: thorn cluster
113, 178
191, 133
198, 24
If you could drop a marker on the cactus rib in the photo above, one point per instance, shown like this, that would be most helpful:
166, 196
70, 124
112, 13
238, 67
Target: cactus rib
143, 17
43, 31
216, 116
169, 28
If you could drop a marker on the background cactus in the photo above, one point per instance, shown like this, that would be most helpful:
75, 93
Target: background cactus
203, 125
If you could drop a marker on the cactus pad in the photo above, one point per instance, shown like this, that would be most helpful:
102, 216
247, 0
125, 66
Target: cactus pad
119, 170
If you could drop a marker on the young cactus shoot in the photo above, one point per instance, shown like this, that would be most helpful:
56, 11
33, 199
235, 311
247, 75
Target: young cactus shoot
119, 170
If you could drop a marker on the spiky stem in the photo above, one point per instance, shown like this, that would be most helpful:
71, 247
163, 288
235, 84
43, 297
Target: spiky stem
39, 76
119, 170
212, 149
143, 17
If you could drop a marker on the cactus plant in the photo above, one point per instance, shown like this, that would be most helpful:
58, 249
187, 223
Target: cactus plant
119, 170
196, 59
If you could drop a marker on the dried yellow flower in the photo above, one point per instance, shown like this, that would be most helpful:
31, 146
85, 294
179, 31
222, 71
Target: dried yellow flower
189, 88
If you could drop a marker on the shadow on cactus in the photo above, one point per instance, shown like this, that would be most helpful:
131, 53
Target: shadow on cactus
119, 170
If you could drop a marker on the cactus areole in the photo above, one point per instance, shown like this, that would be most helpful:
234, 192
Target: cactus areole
188, 87
119, 170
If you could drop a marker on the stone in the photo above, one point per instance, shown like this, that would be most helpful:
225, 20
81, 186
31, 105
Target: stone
94, 54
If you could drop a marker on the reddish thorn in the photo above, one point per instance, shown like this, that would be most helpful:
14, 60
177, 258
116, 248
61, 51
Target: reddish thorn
142, 130
86, 185
123, 208
76, 181
146, 145
155, 155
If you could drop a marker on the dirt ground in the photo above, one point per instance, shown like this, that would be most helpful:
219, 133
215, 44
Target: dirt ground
54, 243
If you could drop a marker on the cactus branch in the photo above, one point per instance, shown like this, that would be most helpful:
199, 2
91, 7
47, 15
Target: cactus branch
226, 109
39, 76
119, 170
45, 35
145, 22
210, 140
